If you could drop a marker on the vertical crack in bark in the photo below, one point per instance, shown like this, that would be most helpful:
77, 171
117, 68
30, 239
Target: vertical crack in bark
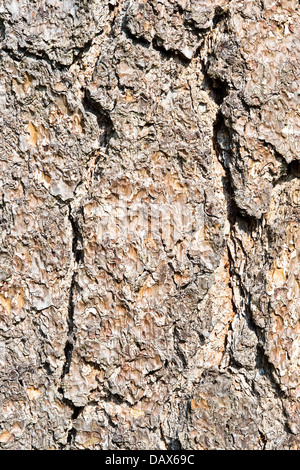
235, 312
103, 119
78, 257
77, 241
106, 126
219, 92
177, 342
71, 338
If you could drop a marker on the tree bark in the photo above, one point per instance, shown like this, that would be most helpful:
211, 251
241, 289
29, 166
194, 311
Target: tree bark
150, 224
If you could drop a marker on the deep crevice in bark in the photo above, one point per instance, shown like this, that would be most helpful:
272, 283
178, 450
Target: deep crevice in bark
77, 240
219, 91
71, 331
78, 256
103, 119
155, 44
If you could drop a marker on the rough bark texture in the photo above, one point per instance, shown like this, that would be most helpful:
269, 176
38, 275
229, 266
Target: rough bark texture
117, 337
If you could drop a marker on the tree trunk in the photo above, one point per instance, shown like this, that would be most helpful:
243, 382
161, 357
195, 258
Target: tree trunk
150, 224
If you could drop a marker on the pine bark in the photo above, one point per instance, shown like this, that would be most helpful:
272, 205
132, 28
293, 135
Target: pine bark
149, 224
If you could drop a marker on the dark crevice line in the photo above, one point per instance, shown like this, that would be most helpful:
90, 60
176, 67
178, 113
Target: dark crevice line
219, 92
234, 309
236, 215
76, 411
71, 338
292, 171
22, 53
78, 255
103, 119
72, 432
216, 88
220, 16
155, 44
109, 419
264, 439
221, 131
162, 436
115, 398
179, 353
68, 351
77, 242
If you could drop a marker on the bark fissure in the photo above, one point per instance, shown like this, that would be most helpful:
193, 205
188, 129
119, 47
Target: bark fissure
234, 215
